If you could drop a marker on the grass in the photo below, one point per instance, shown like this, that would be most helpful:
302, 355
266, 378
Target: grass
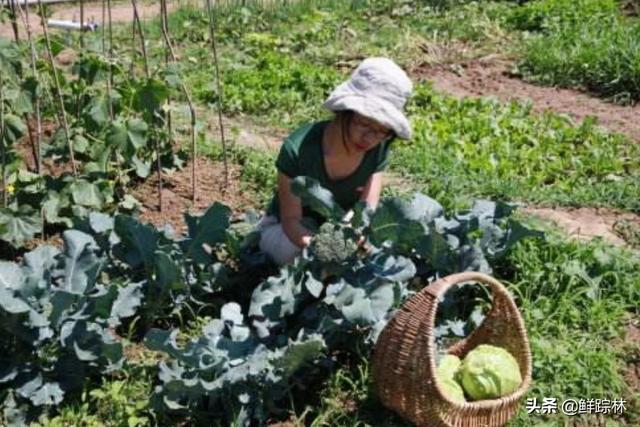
575, 298
588, 44
481, 148
117, 402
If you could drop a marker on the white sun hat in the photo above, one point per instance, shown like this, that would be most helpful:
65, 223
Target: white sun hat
377, 89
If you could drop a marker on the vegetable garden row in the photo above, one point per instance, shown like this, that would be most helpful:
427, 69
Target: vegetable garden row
126, 323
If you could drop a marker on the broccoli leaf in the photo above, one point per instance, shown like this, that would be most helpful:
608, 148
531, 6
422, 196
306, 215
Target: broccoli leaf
319, 199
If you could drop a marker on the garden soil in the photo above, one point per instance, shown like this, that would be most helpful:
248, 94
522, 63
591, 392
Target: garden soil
51, 166
121, 12
176, 193
632, 340
586, 223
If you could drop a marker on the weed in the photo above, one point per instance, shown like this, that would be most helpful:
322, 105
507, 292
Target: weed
589, 45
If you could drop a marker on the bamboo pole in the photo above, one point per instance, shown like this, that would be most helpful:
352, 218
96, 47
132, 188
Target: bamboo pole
167, 56
132, 70
164, 27
136, 19
81, 25
37, 144
138, 25
2, 147
14, 20
110, 79
62, 112
212, 28
192, 111
104, 35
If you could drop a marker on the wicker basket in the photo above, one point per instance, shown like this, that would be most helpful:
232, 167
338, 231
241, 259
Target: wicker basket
404, 366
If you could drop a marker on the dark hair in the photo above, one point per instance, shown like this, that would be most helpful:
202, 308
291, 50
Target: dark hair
345, 117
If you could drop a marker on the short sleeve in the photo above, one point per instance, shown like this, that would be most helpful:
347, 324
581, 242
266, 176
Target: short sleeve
383, 156
287, 161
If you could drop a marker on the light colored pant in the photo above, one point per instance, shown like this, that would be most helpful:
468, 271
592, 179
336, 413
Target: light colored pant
275, 243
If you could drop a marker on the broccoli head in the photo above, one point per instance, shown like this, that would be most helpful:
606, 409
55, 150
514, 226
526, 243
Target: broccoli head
333, 244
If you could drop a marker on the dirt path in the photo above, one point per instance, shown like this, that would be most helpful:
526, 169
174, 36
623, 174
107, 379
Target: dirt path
121, 12
240, 130
632, 352
586, 223
490, 76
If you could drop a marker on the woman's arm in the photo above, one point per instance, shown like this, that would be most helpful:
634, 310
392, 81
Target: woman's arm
291, 213
371, 191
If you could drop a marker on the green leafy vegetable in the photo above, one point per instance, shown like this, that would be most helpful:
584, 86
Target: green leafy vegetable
489, 372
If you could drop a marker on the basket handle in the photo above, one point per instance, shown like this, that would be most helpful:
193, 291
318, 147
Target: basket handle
440, 286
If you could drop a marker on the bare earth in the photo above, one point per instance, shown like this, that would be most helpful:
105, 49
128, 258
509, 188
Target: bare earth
176, 194
490, 76
632, 337
121, 12
585, 223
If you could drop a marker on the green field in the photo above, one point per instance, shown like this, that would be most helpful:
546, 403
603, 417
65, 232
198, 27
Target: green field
108, 321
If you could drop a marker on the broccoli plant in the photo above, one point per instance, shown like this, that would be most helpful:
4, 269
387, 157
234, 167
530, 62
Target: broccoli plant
227, 373
57, 321
336, 292
177, 273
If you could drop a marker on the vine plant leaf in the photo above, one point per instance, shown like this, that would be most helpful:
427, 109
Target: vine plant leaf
16, 227
54, 203
137, 133
9, 55
142, 167
14, 129
99, 110
91, 68
86, 193
150, 95
127, 137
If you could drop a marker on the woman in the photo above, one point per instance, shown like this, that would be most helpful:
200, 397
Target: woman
346, 154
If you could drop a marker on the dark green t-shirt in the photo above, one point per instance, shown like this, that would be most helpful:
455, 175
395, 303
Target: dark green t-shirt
301, 154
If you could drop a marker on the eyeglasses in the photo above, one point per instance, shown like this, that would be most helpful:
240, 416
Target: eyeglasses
367, 128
